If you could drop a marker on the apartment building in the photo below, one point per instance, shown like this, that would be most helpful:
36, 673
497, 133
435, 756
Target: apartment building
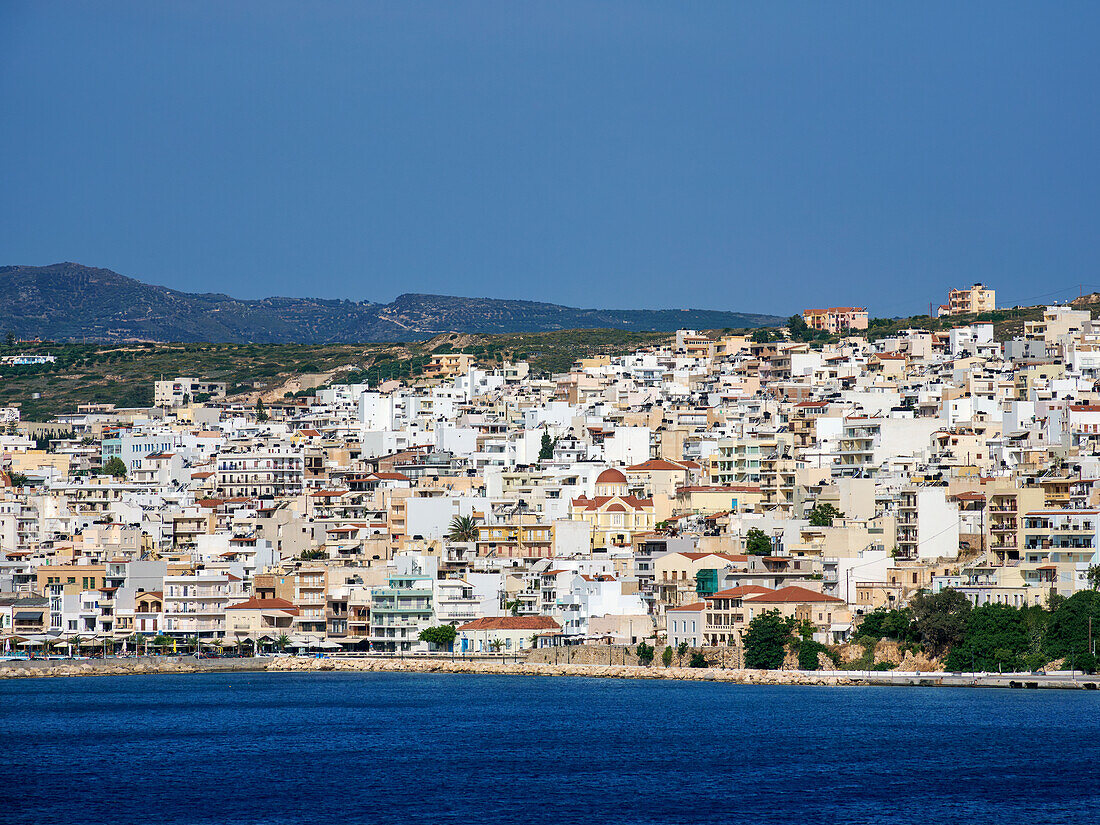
194, 604
179, 391
260, 474
836, 320
971, 301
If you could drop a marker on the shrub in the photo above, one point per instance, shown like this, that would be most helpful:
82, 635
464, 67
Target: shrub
698, 660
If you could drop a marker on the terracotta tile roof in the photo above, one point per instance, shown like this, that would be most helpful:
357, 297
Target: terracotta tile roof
743, 590
512, 623
793, 595
656, 464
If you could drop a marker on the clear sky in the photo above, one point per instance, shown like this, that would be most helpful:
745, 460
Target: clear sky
746, 156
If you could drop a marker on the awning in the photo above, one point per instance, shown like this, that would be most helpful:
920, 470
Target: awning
28, 616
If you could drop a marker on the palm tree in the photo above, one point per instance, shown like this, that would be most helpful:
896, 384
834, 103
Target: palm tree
463, 528
282, 642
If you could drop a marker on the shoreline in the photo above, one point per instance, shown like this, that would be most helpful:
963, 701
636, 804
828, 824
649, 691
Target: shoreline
54, 668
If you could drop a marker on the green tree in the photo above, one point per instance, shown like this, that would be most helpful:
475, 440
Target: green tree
115, 467
997, 636
681, 651
763, 335
463, 528
261, 411
757, 542
698, 660
766, 640
313, 554
443, 636
546, 450
1093, 576
887, 624
666, 656
1067, 630
808, 651
18, 480
822, 515
798, 328
645, 654
9, 340
939, 619
282, 642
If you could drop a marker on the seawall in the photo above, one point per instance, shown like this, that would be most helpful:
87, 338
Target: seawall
47, 668
730, 675
295, 664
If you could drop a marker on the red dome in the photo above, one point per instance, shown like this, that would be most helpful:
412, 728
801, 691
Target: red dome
611, 476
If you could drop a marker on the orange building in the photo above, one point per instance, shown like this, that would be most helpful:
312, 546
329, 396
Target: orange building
836, 319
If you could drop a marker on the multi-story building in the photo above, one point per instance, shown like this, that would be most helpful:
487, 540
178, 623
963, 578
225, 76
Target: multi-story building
179, 391
970, 301
835, 320
194, 604
1005, 512
399, 612
274, 473
927, 524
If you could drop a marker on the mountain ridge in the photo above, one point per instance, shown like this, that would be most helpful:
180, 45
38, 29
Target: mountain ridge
70, 301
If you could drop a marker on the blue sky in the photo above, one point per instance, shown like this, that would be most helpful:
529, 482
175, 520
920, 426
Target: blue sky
743, 156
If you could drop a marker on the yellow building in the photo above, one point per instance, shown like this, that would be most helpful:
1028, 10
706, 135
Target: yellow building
614, 515
33, 462
516, 540
970, 301
448, 364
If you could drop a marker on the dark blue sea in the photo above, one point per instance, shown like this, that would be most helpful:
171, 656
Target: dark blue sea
382, 748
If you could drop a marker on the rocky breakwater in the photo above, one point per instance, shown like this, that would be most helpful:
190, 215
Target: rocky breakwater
142, 665
430, 665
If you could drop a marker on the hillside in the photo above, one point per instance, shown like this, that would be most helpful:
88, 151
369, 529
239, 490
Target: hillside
123, 374
70, 302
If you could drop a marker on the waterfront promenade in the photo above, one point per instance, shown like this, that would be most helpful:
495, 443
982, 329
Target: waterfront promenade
508, 666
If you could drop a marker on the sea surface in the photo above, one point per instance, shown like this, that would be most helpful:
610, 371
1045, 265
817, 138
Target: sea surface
422, 748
